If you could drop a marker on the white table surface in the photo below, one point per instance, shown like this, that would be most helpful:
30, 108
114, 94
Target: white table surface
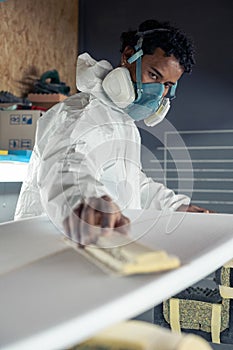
52, 298
11, 171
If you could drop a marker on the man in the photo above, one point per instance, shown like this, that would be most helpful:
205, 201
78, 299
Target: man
85, 167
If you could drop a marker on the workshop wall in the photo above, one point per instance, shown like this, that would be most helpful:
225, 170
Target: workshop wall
40, 33
204, 98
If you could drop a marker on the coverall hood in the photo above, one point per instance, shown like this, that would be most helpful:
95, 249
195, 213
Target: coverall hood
90, 74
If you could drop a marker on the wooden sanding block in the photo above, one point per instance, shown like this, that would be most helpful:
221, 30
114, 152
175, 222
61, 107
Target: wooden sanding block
119, 254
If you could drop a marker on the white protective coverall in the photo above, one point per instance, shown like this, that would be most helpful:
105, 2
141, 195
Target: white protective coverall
85, 147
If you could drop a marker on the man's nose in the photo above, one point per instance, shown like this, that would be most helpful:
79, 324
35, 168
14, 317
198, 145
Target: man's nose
166, 88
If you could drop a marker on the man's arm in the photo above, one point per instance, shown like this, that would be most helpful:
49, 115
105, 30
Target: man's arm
156, 195
71, 195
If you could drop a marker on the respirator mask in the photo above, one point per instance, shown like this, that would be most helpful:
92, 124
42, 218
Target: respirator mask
139, 100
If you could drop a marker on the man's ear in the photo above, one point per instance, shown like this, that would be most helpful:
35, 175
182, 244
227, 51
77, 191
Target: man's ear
126, 54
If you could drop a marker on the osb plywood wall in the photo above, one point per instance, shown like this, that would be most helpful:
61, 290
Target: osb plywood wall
40, 33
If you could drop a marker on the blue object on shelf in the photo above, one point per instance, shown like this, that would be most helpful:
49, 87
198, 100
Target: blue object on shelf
16, 156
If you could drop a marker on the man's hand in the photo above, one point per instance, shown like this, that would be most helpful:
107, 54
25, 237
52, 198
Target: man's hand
81, 225
194, 209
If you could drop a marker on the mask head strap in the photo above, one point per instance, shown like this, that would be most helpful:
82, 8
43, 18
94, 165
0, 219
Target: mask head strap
138, 58
172, 92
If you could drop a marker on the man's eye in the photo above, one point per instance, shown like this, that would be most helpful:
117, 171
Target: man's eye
153, 76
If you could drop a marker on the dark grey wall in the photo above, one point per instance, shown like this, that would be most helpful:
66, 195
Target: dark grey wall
204, 99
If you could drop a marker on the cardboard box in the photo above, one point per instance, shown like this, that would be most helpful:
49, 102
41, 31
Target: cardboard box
46, 100
18, 128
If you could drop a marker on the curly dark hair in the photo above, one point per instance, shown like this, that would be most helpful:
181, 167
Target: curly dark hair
172, 41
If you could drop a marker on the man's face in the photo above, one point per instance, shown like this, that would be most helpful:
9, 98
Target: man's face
156, 68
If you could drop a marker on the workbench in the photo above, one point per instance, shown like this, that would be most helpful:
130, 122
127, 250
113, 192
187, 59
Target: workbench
51, 297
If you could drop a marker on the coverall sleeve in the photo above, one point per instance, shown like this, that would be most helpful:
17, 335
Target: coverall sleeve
66, 176
156, 195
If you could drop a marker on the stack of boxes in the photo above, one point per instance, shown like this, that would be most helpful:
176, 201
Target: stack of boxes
17, 129
17, 137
